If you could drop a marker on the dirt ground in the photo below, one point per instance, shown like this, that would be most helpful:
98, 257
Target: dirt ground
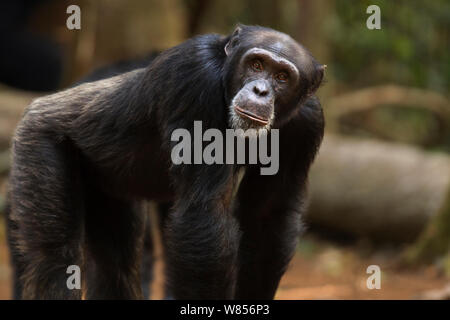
318, 271
337, 273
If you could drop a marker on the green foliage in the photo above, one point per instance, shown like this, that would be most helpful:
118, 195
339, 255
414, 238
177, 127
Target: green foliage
410, 49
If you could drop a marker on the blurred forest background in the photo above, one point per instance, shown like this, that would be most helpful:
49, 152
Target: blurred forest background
380, 188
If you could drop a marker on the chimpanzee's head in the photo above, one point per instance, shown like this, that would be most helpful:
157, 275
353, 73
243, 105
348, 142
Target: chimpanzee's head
267, 77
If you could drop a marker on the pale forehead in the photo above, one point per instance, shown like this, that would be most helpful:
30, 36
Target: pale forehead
281, 44
275, 57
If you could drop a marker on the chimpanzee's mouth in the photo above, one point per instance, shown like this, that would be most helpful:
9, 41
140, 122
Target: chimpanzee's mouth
246, 114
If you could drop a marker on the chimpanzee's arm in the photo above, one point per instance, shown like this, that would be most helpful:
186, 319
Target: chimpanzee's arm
269, 207
202, 235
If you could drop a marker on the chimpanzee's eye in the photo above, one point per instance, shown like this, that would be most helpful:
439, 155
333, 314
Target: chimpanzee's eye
257, 65
281, 77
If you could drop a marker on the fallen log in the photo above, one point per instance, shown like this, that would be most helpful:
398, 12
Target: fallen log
384, 191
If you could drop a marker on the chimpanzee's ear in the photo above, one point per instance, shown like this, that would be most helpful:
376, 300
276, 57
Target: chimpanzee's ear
318, 77
234, 40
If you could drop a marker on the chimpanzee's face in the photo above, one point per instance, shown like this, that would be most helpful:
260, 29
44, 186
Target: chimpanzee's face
271, 77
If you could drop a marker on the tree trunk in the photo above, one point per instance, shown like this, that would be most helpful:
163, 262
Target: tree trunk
434, 242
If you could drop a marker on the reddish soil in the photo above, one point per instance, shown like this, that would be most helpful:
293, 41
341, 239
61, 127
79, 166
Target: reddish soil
325, 272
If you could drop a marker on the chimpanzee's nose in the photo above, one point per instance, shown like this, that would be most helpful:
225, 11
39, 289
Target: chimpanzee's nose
261, 88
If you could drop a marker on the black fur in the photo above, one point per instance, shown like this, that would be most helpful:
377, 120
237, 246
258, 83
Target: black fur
84, 158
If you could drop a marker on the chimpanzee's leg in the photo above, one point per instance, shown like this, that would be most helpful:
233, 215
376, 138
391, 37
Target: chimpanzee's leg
114, 240
147, 256
45, 219
163, 214
12, 229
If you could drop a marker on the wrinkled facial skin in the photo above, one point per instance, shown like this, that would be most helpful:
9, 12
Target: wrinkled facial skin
271, 76
265, 76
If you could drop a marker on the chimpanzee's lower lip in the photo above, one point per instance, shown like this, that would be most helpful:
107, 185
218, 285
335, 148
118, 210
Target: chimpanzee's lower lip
250, 116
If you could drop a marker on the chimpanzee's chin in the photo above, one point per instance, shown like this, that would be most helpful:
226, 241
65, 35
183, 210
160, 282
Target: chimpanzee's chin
249, 127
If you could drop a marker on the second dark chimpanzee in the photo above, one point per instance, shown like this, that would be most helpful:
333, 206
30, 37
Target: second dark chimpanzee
84, 159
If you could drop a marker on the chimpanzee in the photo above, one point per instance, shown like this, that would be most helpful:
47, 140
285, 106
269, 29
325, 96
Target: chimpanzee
84, 160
